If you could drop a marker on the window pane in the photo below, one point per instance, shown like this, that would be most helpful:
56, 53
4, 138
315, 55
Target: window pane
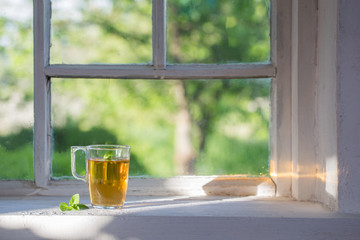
16, 90
101, 31
214, 31
174, 127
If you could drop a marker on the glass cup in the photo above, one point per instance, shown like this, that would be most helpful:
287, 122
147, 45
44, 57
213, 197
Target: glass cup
107, 172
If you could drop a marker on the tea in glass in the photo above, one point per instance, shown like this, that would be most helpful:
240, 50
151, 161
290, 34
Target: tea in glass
108, 181
107, 173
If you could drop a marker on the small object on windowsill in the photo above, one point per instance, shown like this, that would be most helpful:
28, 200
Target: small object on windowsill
74, 204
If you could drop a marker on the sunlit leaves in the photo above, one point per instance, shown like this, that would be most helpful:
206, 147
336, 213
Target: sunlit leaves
111, 32
218, 31
142, 112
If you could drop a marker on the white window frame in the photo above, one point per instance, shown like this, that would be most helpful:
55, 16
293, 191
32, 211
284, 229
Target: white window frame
279, 69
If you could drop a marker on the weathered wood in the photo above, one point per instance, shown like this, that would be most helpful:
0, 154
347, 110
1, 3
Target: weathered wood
43, 72
159, 33
201, 71
42, 94
280, 119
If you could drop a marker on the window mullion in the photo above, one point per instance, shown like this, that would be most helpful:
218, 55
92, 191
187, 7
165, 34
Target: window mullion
42, 94
159, 33
280, 125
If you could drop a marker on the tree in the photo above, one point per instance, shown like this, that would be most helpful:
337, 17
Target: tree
212, 32
183, 115
198, 32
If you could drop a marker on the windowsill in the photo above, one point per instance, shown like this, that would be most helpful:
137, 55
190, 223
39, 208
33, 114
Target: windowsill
175, 217
189, 186
187, 207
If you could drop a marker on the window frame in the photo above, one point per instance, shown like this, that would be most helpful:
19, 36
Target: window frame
278, 69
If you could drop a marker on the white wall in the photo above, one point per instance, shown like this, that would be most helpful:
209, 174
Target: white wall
303, 85
326, 151
348, 114
325, 103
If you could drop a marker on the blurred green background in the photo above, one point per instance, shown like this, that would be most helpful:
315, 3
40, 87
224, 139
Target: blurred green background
174, 127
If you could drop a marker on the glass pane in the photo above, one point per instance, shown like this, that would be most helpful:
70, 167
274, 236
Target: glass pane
174, 127
218, 31
16, 90
100, 31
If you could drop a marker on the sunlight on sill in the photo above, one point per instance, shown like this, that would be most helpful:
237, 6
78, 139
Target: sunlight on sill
35, 217
189, 186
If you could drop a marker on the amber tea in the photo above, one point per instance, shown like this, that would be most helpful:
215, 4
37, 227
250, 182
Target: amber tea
107, 172
108, 181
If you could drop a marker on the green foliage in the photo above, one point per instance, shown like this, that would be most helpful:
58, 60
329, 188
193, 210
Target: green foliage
217, 104
214, 31
70, 135
15, 58
131, 111
17, 163
230, 155
17, 140
117, 33
229, 115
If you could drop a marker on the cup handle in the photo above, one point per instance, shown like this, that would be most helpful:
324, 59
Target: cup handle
73, 163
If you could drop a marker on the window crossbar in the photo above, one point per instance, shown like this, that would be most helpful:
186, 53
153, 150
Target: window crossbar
179, 71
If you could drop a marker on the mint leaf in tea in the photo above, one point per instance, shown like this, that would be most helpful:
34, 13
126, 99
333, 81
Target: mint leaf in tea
108, 155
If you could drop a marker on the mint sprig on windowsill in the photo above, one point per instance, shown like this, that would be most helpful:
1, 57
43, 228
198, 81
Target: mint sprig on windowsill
74, 204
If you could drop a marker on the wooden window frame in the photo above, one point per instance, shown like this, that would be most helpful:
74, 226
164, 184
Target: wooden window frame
279, 69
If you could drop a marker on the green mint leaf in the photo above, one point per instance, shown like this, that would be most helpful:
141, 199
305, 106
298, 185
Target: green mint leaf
75, 199
64, 207
73, 204
108, 155
81, 206
74, 207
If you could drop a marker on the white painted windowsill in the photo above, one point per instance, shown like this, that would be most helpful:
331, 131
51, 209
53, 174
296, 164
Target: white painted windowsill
175, 208
229, 185
171, 217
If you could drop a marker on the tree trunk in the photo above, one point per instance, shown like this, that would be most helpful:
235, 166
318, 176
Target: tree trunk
184, 153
